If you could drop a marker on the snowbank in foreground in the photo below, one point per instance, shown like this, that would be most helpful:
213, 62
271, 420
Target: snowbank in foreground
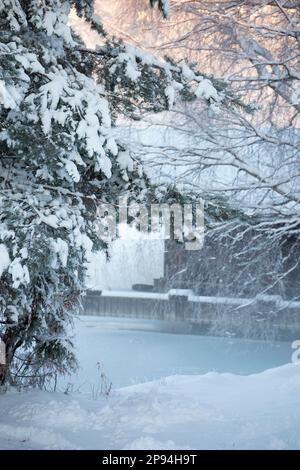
212, 411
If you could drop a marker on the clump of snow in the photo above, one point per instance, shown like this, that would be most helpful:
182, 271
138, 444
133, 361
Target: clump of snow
207, 91
61, 249
50, 220
4, 258
24, 253
129, 59
125, 161
132, 72
87, 245
56, 22
72, 170
30, 62
111, 145
19, 273
81, 240
187, 73
12, 313
5, 97
170, 94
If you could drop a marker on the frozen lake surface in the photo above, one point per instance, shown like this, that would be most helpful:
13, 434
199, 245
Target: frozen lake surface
133, 351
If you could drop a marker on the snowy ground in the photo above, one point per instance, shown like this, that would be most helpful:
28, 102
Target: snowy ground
209, 411
212, 411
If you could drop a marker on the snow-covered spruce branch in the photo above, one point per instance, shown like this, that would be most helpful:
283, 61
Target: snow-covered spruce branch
58, 156
159, 82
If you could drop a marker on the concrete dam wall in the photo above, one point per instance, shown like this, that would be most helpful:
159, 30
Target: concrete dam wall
262, 317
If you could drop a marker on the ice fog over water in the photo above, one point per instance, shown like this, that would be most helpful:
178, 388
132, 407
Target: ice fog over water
133, 259
133, 351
